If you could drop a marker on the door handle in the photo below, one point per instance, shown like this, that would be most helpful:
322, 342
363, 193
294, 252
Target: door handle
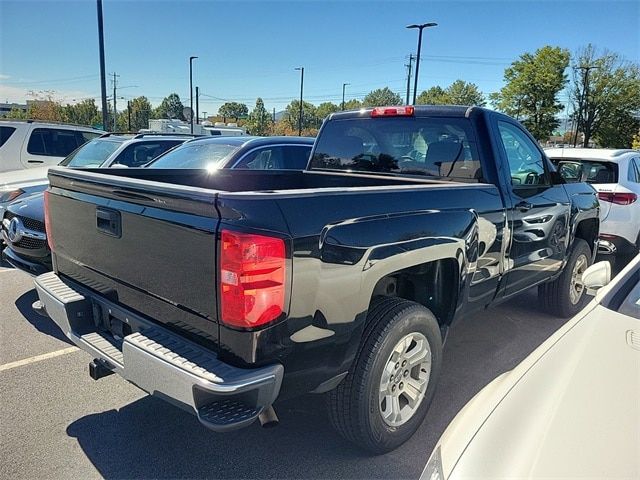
524, 206
108, 222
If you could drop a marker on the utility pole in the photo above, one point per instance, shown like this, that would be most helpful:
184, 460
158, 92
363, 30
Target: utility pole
197, 105
301, 89
129, 113
115, 111
409, 77
274, 114
343, 85
103, 80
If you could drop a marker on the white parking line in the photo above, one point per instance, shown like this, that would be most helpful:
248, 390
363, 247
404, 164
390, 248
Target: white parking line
38, 358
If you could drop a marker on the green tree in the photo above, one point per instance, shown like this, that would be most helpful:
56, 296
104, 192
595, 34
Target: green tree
259, 121
171, 107
309, 117
465, 93
141, 111
16, 113
606, 97
352, 104
434, 96
533, 83
83, 113
381, 97
325, 109
233, 110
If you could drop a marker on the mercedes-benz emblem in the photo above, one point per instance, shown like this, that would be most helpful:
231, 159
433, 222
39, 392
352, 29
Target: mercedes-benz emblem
15, 229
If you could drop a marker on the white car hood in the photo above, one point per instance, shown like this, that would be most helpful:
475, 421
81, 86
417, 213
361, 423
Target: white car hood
574, 411
26, 177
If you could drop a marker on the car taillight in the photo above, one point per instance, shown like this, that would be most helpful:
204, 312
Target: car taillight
252, 279
407, 111
620, 198
47, 220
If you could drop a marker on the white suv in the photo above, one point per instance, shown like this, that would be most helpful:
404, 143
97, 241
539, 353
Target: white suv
29, 144
615, 174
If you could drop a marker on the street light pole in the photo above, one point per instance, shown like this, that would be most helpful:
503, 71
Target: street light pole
301, 90
191, 59
420, 27
103, 79
343, 85
197, 105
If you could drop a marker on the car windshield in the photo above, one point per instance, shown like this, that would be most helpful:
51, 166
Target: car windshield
590, 171
91, 154
437, 147
196, 155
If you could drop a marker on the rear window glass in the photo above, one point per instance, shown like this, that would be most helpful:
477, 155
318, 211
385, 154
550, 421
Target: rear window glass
142, 153
5, 133
591, 171
435, 147
196, 155
92, 154
52, 142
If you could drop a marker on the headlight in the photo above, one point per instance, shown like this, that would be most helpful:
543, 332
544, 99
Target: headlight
433, 470
10, 195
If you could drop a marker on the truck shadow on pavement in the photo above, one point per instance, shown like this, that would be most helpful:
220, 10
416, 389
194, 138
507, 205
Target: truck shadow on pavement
41, 323
152, 439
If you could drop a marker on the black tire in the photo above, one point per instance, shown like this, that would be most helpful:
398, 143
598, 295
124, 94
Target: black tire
354, 408
556, 296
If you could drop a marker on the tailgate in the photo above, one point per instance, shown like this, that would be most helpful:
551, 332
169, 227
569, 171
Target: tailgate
147, 245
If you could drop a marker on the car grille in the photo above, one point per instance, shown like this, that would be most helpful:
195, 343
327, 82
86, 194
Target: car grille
31, 224
30, 243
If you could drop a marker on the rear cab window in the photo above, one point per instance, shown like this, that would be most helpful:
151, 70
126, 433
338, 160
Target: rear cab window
441, 147
591, 171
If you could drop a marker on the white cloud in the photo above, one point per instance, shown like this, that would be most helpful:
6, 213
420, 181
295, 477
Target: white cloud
11, 94
4, 77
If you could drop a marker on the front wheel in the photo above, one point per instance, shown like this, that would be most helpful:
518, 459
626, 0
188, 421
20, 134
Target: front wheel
386, 395
567, 295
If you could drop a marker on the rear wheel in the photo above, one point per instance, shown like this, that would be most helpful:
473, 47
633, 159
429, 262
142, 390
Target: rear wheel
567, 295
386, 395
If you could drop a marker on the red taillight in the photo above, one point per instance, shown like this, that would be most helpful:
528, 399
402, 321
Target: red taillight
407, 111
252, 279
620, 198
47, 220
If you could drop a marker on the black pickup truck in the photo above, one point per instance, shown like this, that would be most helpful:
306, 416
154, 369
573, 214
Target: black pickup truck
223, 291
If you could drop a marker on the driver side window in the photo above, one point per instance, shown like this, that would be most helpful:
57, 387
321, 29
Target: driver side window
526, 163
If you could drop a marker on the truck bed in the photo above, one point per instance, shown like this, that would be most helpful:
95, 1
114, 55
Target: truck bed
161, 261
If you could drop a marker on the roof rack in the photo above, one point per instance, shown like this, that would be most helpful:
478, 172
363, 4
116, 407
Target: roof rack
53, 122
108, 134
167, 134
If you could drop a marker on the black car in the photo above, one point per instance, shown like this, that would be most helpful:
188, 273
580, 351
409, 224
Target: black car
23, 228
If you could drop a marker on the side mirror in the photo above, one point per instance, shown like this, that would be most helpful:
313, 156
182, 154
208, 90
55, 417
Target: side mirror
557, 178
596, 276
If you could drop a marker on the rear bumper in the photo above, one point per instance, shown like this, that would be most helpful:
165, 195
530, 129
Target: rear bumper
223, 397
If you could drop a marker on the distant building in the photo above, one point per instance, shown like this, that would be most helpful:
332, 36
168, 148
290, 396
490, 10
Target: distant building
5, 108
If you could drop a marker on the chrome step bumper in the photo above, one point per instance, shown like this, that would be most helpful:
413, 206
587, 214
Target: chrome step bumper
161, 363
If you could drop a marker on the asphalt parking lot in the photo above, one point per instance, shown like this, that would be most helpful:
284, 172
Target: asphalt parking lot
56, 422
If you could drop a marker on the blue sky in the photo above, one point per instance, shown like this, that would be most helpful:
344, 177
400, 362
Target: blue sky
250, 49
